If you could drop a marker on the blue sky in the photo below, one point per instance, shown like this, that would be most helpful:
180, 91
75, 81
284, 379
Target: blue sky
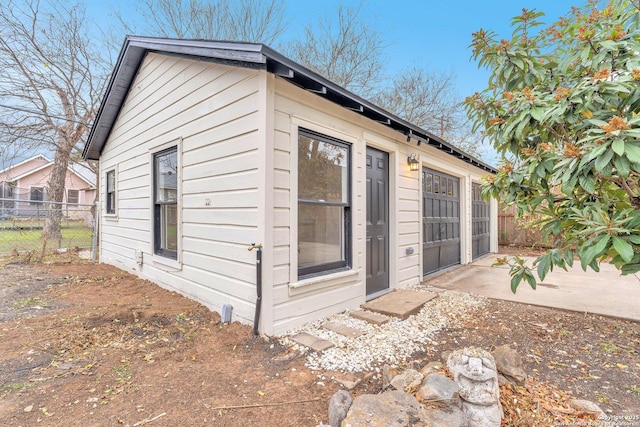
436, 34
419, 33
423, 33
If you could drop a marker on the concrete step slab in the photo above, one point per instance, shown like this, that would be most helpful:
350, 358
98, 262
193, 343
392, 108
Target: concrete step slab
311, 341
368, 316
343, 329
400, 303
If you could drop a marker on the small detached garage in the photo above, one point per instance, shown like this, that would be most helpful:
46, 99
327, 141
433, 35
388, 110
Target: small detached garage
208, 149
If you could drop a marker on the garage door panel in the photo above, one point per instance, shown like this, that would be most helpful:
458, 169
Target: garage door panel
441, 220
450, 255
432, 256
481, 235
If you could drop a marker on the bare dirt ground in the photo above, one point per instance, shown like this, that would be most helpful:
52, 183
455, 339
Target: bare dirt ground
84, 344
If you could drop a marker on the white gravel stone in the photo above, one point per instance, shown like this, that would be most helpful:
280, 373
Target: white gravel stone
393, 342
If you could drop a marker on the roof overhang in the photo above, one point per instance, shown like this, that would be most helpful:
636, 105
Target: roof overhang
251, 55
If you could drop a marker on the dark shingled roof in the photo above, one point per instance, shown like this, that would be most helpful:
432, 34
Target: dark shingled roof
252, 55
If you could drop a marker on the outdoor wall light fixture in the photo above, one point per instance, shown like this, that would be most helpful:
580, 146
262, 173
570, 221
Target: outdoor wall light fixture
413, 162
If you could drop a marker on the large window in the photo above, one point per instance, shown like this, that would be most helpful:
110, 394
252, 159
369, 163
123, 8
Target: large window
324, 203
165, 194
111, 192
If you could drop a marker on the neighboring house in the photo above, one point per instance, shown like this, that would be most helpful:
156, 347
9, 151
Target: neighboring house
206, 147
24, 187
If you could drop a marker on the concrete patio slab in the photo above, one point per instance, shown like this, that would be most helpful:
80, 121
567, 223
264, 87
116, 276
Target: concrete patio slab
607, 292
400, 303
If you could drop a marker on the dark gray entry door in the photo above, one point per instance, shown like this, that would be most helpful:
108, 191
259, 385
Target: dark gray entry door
480, 222
377, 221
440, 220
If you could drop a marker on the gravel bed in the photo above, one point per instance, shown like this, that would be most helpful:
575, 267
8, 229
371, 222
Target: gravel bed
392, 343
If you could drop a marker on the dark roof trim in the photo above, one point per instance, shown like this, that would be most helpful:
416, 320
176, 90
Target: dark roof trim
248, 55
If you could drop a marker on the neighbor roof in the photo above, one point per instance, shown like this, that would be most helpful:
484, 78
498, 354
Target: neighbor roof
252, 55
36, 157
88, 177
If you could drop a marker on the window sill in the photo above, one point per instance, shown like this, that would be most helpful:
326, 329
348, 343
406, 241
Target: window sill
110, 217
323, 281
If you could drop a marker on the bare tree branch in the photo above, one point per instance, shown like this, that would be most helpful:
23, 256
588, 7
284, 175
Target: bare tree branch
243, 20
349, 54
51, 79
429, 100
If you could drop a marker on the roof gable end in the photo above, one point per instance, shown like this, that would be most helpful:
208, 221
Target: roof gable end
24, 162
50, 165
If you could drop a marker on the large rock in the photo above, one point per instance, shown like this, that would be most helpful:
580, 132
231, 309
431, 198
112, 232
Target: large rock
438, 389
474, 370
509, 364
408, 381
338, 407
389, 409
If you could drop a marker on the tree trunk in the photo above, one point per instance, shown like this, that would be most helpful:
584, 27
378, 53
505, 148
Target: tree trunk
53, 220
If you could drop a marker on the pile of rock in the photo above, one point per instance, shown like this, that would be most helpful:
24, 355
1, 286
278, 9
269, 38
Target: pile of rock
430, 398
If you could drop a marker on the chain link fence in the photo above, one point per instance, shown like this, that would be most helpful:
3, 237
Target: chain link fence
22, 221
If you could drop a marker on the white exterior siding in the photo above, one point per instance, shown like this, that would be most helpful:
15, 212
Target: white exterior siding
232, 132
296, 302
214, 114
236, 132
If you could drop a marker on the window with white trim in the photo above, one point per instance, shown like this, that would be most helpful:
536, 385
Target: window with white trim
165, 195
324, 204
111, 192
73, 197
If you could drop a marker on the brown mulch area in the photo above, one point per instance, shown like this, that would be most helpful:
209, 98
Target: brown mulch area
85, 344
567, 356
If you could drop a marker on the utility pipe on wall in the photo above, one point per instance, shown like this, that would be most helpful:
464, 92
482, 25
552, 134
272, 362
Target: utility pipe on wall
256, 319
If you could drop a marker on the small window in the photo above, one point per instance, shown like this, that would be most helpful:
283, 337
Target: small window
111, 192
165, 178
73, 197
324, 204
36, 195
6, 190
